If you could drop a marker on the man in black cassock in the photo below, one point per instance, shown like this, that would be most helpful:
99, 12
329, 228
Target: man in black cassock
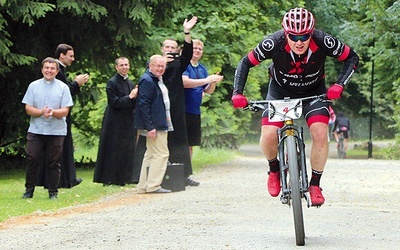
115, 158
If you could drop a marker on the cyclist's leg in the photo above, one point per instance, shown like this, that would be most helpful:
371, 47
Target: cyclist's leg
319, 147
269, 141
317, 117
269, 147
335, 134
269, 137
345, 140
317, 120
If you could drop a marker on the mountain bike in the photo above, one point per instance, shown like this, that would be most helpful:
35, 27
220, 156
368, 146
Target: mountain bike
291, 154
340, 147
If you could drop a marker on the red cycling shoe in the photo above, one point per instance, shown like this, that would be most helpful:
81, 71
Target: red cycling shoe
274, 183
317, 199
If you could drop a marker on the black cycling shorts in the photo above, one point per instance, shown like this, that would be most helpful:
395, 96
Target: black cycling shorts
318, 112
344, 132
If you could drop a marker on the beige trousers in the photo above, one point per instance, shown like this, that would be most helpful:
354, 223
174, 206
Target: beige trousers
154, 163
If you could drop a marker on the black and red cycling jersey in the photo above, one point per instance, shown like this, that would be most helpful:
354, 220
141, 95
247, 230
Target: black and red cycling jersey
294, 73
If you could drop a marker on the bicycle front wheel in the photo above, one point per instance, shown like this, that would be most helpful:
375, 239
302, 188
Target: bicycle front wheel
295, 192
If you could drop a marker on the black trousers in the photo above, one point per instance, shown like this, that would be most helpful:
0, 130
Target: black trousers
37, 147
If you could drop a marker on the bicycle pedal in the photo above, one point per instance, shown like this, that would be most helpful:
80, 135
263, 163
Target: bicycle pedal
284, 200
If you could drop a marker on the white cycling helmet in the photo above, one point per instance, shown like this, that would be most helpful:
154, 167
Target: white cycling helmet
298, 21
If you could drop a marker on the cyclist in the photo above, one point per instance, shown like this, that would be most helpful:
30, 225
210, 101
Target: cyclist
298, 54
342, 126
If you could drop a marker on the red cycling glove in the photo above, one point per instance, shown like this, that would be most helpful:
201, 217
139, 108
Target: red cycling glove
239, 101
334, 92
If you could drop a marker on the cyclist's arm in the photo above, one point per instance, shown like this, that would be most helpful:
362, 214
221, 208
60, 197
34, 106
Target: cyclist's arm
241, 74
350, 59
260, 53
339, 50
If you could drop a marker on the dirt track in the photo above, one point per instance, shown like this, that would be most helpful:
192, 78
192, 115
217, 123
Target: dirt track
229, 210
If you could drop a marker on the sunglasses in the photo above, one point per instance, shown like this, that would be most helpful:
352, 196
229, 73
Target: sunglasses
302, 38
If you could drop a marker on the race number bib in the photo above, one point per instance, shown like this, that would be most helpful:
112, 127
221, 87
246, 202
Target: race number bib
281, 110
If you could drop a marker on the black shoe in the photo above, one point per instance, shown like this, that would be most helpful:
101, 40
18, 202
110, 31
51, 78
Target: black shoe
190, 182
77, 182
27, 195
52, 196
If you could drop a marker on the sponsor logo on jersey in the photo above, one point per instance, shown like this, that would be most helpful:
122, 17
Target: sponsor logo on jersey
329, 42
268, 44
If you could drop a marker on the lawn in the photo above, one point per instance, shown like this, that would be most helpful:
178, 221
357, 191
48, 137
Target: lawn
12, 187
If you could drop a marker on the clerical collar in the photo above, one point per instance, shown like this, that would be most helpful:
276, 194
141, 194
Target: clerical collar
62, 64
125, 77
48, 82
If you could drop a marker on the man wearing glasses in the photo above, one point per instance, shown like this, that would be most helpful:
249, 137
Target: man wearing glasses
298, 54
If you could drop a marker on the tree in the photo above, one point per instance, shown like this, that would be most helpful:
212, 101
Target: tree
99, 32
371, 28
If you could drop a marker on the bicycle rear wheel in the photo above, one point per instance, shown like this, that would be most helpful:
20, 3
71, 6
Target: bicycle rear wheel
341, 153
295, 192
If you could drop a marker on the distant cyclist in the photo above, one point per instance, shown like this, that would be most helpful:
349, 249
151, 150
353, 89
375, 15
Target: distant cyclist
342, 126
298, 54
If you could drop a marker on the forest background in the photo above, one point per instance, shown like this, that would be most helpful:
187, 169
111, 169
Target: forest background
102, 30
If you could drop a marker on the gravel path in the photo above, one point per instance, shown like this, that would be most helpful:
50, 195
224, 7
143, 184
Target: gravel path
229, 210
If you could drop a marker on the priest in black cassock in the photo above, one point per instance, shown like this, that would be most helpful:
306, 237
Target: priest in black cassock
115, 158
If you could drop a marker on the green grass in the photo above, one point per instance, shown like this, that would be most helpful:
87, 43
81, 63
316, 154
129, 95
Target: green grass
377, 153
361, 152
12, 187
205, 157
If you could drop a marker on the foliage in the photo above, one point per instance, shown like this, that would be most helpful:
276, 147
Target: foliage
371, 28
246, 23
102, 30
99, 32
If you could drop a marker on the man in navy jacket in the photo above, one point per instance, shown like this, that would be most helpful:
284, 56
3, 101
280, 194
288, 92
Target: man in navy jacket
153, 120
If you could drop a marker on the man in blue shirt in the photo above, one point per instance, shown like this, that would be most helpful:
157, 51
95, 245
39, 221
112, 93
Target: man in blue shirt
196, 82
47, 101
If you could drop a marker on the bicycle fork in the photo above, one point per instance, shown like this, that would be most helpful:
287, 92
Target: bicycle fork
291, 130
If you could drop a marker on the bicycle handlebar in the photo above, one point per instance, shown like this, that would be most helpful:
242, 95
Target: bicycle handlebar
255, 105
